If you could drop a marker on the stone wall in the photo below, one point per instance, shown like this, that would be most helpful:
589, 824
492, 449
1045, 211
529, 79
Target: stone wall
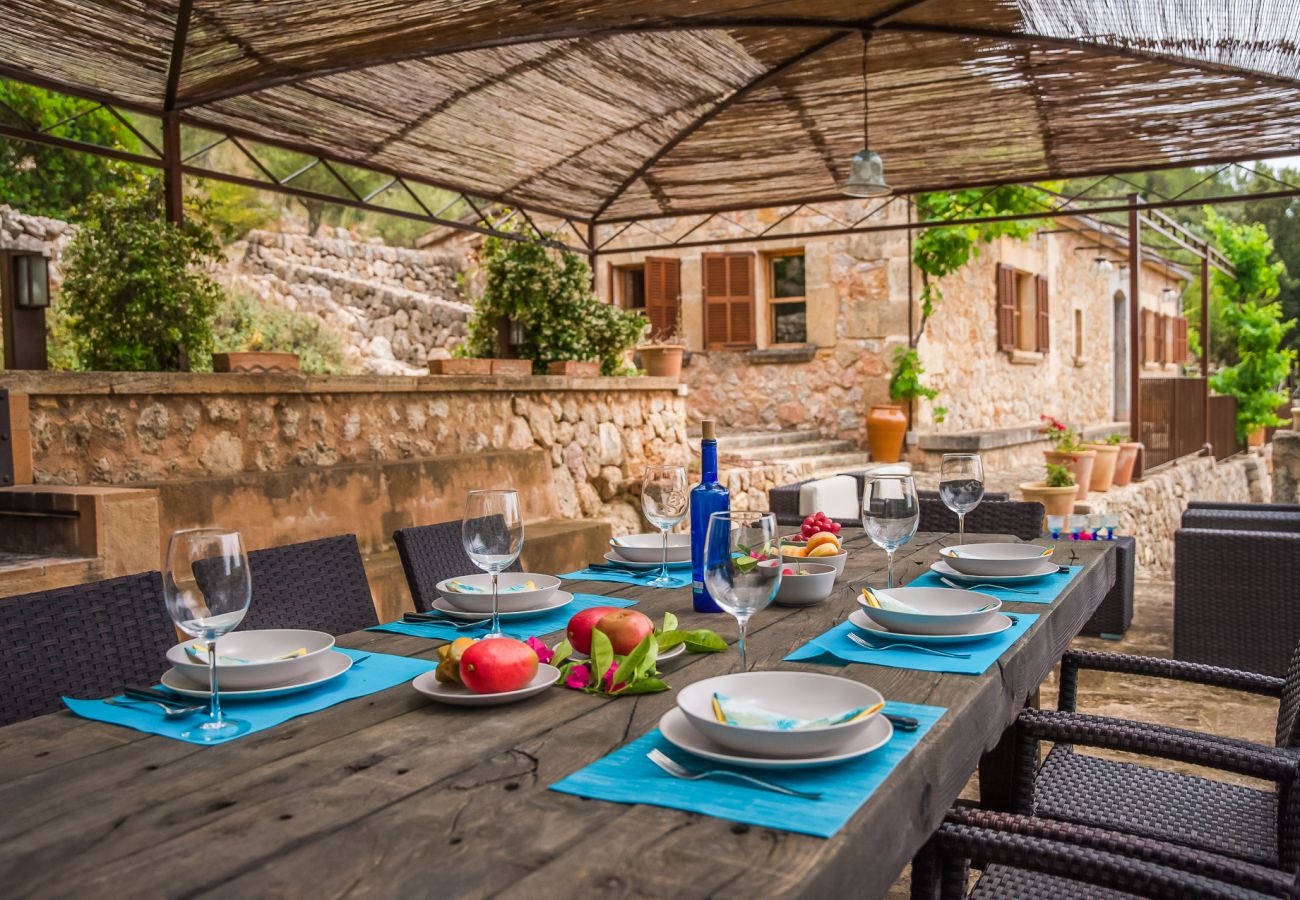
1286, 466
19, 231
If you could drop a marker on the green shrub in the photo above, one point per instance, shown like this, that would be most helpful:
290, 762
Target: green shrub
243, 323
1263, 365
1059, 475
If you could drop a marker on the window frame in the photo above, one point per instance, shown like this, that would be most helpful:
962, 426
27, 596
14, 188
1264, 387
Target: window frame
769, 261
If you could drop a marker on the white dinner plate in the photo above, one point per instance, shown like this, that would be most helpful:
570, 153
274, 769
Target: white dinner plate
557, 600
998, 623
671, 654
614, 559
459, 695
331, 666
941, 568
679, 732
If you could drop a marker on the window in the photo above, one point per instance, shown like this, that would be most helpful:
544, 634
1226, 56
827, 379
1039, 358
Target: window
1023, 321
728, 300
789, 310
629, 287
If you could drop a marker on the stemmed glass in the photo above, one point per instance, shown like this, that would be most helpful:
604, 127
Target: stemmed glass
890, 514
493, 534
207, 586
665, 503
732, 546
961, 486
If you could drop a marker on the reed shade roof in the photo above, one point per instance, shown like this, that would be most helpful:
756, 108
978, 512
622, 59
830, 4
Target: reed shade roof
627, 110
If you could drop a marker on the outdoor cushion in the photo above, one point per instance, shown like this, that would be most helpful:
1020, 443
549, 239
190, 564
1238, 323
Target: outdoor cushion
836, 496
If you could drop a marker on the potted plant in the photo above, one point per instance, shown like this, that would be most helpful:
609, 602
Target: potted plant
1126, 460
1103, 470
662, 358
1068, 451
1263, 366
887, 422
1057, 493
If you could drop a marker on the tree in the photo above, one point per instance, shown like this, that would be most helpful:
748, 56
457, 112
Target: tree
1264, 364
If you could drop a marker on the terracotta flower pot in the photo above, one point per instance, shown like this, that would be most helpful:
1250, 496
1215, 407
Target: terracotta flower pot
1080, 462
1057, 501
513, 368
574, 369
1103, 472
1255, 438
255, 361
1124, 463
662, 362
886, 430
457, 366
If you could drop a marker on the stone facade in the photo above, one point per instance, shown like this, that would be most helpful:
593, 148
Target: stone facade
1286, 466
19, 231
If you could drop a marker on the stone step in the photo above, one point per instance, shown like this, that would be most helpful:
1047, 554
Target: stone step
727, 443
831, 463
798, 450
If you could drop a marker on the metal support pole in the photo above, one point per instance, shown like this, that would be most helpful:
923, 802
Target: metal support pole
173, 172
591, 255
1205, 339
1134, 331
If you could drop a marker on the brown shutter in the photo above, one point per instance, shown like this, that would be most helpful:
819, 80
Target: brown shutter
1162, 351
1006, 308
663, 294
728, 299
1144, 329
1042, 317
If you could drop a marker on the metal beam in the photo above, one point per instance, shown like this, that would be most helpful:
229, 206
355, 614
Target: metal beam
1134, 329
173, 169
1205, 340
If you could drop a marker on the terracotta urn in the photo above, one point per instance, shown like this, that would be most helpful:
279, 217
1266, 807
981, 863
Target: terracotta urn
255, 361
1103, 471
1057, 501
1080, 462
886, 430
663, 361
1126, 462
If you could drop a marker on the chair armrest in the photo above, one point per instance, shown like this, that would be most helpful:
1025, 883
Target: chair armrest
1156, 667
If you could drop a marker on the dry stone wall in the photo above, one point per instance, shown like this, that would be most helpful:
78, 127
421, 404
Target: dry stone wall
19, 231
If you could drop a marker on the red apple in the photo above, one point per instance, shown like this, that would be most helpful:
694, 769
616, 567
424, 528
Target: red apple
497, 665
625, 628
579, 631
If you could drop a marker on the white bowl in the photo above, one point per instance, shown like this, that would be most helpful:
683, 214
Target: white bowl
507, 600
836, 562
801, 590
995, 559
649, 548
807, 695
938, 610
256, 645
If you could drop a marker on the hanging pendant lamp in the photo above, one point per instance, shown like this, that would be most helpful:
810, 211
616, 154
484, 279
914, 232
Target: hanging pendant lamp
866, 169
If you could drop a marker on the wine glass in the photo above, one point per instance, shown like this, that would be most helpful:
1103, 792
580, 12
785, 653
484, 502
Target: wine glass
732, 547
890, 514
961, 486
207, 586
493, 534
665, 503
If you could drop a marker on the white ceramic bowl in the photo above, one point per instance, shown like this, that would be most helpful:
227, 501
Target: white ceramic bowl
649, 548
836, 562
507, 600
256, 645
939, 610
994, 559
814, 586
808, 695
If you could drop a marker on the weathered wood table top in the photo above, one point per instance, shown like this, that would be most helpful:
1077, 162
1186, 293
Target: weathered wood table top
395, 795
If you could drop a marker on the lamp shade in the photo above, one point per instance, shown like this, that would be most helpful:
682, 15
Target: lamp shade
1102, 266
867, 176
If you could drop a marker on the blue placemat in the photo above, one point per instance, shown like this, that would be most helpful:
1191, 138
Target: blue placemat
533, 626
681, 577
372, 673
835, 649
626, 776
1045, 589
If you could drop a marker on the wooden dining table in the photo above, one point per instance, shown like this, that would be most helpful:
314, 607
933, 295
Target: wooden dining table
395, 795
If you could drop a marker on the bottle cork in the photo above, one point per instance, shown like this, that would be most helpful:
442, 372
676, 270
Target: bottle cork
706, 430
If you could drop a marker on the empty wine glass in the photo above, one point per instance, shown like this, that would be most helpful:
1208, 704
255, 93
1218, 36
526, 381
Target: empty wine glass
665, 503
733, 546
961, 486
207, 586
493, 534
890, 514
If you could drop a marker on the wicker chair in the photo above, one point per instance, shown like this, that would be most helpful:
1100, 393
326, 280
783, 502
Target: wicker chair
1242, 519
1024, 520
318, 584
1036, 859
430, 554
1258, 826
1224, 505
85, 641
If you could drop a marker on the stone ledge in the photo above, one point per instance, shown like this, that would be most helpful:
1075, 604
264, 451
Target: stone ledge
137, 383
994, 438
782, 355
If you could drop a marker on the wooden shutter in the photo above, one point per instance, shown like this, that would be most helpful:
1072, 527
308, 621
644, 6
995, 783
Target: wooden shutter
663, 294
1144, 332
1162, 351
1042, 318
1006, 308
728, 300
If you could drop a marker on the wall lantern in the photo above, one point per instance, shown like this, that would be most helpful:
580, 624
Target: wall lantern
31, 282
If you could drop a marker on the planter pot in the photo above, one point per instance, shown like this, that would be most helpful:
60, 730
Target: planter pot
460, 367
1057, 501
1124, 463
662, 362
1080, 462
886, 429
1103, 471
254, 361
574, 369
515, 368
1255, 438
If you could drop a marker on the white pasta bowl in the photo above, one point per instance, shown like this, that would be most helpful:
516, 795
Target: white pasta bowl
937, 610
649, 548
249, 660
995, 559
513, 591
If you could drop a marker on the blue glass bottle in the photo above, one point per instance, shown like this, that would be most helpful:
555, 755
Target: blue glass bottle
707, 497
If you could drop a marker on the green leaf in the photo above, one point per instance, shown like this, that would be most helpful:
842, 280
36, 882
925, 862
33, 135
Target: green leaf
637, 663
563, 650
645, 686
602, 655
699, 641
670, 623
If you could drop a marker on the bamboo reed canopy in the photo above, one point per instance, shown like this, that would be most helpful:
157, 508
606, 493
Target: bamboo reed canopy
612, 111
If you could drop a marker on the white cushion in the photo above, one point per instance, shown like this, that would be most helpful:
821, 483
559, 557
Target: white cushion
889, 469
836, 496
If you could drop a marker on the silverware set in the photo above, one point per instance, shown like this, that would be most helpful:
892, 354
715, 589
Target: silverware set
996, 587
445, 621
898, 645
677, 770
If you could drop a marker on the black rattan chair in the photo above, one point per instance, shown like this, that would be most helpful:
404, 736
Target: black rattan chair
1242, 518
433, 553
318, 584
1024, 520
85, 641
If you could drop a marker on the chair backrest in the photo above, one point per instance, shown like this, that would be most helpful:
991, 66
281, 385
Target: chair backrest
1288, 711
434, 553
85, 641
989, 496
1024, 520
1241, 518
317, 584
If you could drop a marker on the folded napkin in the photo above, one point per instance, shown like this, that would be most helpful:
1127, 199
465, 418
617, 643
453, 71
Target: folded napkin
639, 577
742, 713
1045, 589
532, 626
461, 587
952, 551
199, 654
627, 776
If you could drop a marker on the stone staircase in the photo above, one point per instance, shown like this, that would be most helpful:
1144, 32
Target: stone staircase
805, 452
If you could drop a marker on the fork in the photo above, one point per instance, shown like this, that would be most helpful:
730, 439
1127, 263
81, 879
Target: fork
675, 769
425, 619
917, 647
996, 587
168, 712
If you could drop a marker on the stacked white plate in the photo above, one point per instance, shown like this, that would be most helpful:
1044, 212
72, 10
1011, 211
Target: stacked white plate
252, 664
693, 726
519, 595
931, 615
646, 551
